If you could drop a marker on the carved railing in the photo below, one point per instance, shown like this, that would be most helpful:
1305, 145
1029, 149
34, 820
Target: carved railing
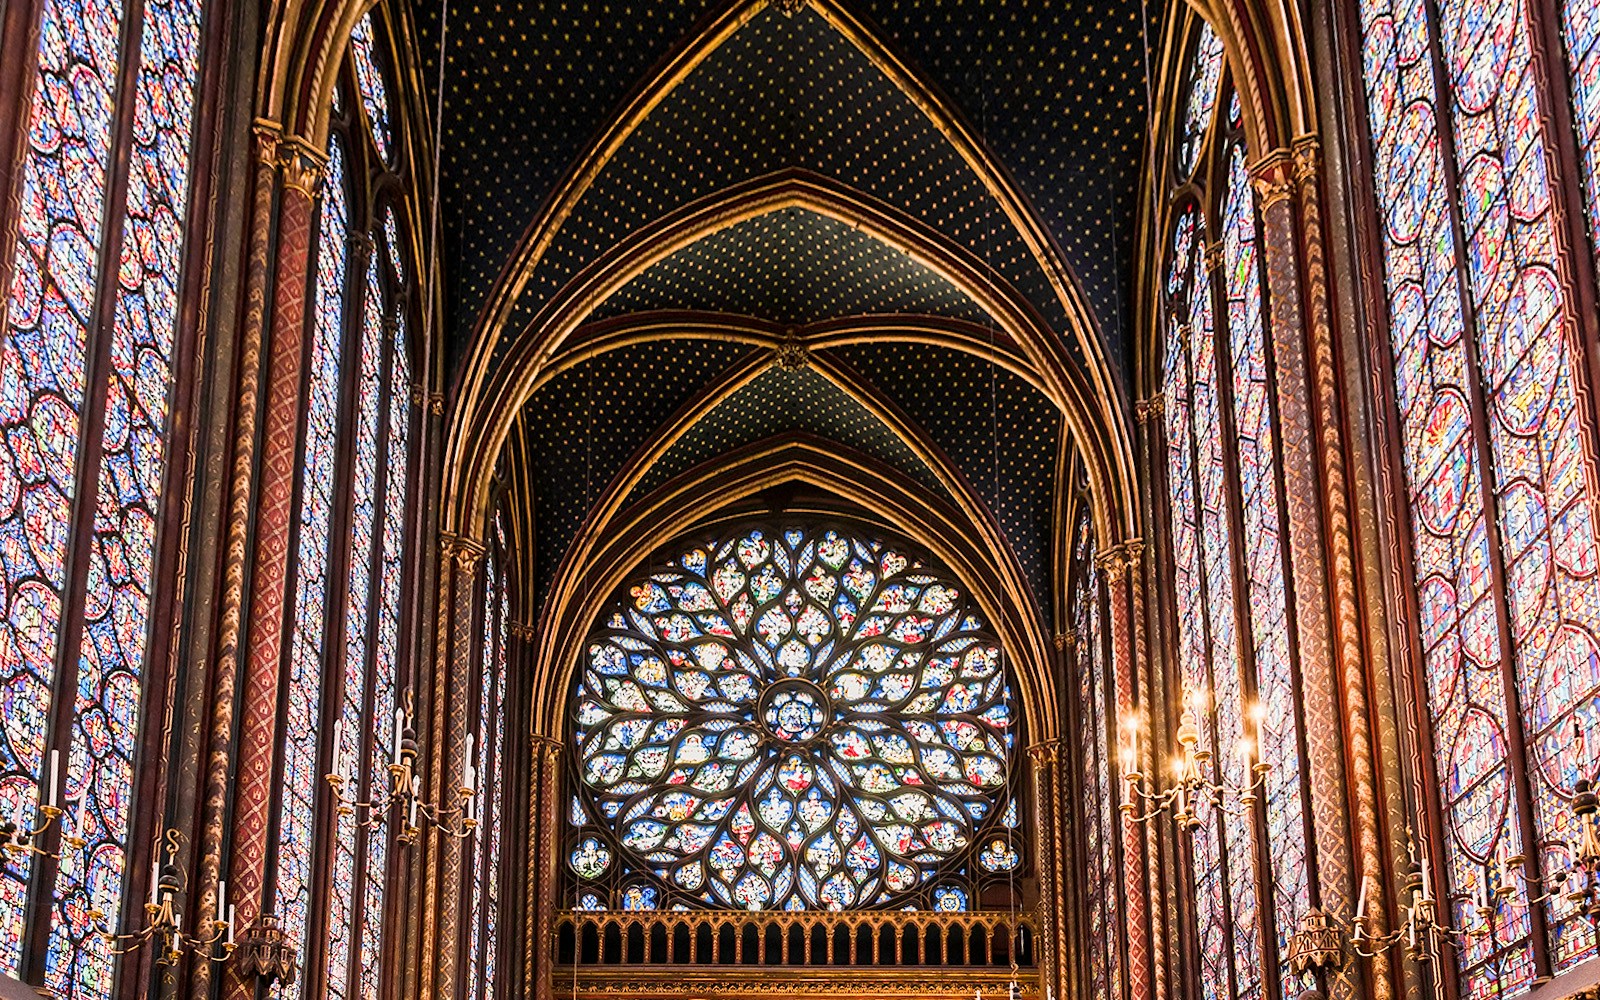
870, 938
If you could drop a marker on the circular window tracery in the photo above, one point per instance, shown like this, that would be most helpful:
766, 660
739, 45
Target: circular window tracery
804, 719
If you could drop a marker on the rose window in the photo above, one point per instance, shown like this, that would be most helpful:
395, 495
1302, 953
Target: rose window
800, 719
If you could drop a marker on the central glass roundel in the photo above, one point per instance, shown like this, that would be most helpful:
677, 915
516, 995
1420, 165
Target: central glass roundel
796, 718
794, 710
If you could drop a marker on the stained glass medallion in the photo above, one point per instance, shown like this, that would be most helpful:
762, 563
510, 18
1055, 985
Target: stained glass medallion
801, 718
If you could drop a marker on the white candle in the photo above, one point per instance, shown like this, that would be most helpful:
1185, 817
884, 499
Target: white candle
338, 748
1427, 883
466, 764
222, 896
1361, 900
231, 915
155, 882
55, 778
399, 727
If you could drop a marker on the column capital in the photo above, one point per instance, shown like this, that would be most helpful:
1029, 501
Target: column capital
301, 166
1065, 640
1271, 177
1151, 408
1044, 753
466, 551
1306, 152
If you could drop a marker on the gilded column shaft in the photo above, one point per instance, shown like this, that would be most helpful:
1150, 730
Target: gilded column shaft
544, 850
1323, 655
277, 464
457, 688
1051, 853
1115, 565
218, 762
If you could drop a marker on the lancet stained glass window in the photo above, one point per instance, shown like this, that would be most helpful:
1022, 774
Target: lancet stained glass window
483, 889
1228, 565
1485, 379
53, 346
1096, 736
796, 717
345, 661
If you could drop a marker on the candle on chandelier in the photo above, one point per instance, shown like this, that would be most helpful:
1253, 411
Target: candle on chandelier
338, 748
1361, 900
232, 916
55, 778
469, 774
399, 728
222, 896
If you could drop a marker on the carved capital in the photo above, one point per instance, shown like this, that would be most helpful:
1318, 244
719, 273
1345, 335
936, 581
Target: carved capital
1271, 177
789, 8
1133, 551
1045, 753
419, 395
436, 403
268, 134
301, 167
1149, 409
1112, 560
466, 551
1307, 154
1064, 641
1215, 256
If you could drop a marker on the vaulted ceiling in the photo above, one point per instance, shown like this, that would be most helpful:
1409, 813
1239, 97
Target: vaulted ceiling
572, 129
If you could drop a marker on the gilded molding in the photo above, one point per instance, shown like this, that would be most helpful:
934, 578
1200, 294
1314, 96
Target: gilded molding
1149, 409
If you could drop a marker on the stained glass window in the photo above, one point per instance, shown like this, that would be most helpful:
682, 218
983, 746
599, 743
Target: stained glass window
1227, 559
483, 892
1580, 23
68, 210
1504, 496
1205, 76
796, 717
369, 80
345, 656
1098, 817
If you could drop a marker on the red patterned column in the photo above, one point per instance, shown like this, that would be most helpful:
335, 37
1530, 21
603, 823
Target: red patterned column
1306, 489
1343, 585
278, 460
1114, 563
218, 762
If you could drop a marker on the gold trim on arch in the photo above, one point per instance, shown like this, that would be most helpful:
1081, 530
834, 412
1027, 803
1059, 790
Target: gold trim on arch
606, 552
1095, 421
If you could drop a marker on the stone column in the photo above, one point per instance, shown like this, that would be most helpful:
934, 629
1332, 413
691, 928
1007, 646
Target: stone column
1113, 562
283, 170
454, 689
1053, 856
1321, 556
544, 865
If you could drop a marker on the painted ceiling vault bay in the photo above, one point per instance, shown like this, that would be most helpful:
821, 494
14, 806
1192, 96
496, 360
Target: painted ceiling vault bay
1007, 136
